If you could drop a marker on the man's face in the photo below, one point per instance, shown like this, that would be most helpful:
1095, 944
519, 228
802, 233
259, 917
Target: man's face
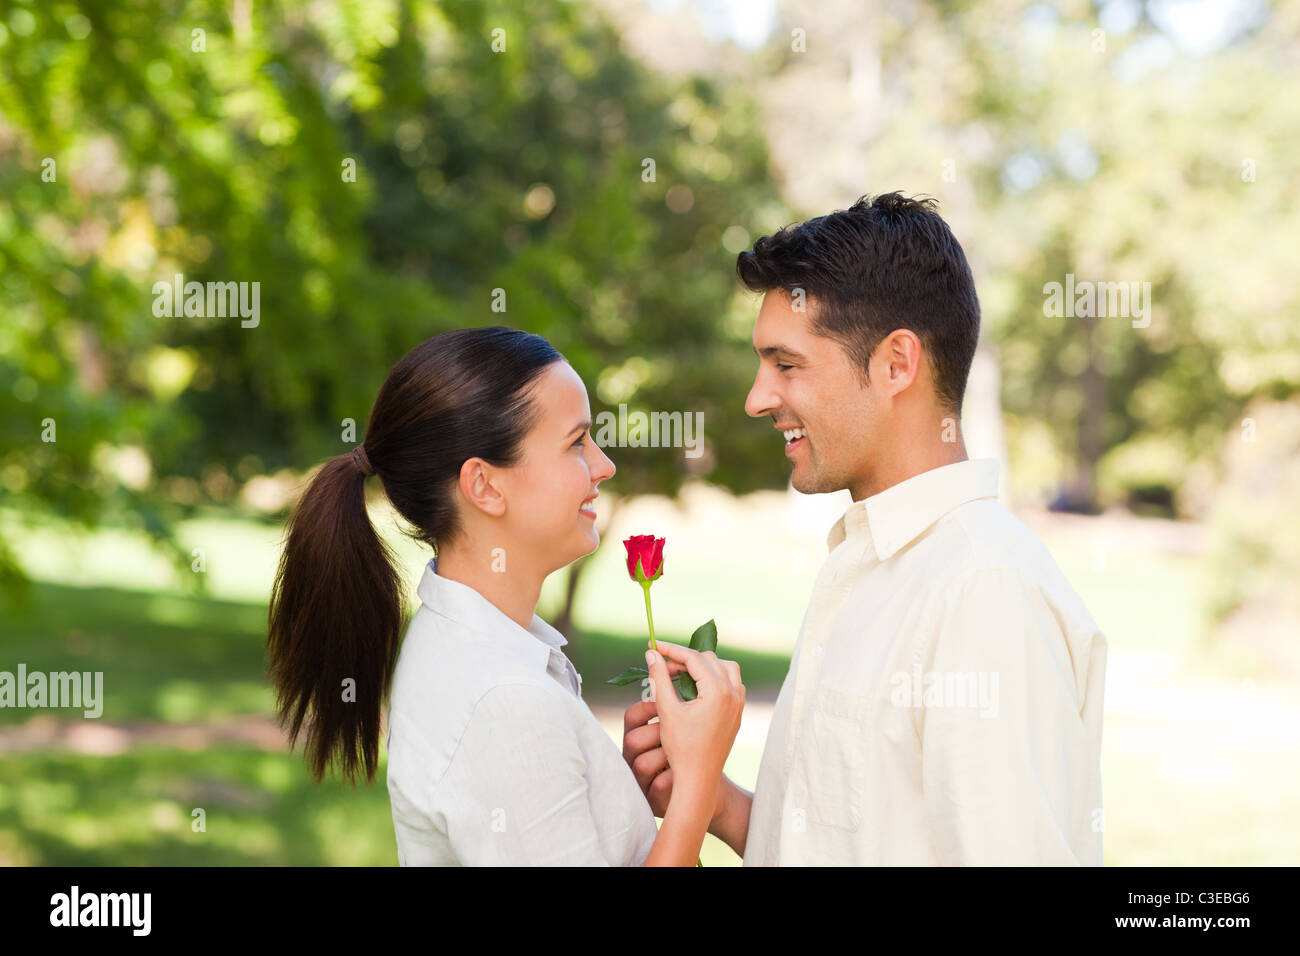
807, 381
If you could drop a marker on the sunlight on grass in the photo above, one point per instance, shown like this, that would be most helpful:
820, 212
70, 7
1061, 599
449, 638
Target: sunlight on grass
137, 808
274, 774
181, 701
175, 612
341, 842
1197, 765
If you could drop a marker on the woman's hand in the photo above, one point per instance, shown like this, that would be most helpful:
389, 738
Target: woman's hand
696, 735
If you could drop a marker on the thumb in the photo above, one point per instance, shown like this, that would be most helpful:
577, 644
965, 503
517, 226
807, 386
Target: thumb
664, 693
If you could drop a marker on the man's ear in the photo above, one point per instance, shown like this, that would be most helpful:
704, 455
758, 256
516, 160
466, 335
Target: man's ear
900, 356
477, 482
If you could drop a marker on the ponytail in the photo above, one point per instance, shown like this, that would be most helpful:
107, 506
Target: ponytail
336, 614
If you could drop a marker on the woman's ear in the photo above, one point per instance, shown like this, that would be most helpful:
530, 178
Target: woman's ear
478, 483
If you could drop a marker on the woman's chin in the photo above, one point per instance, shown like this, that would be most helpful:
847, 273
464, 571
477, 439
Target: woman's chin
584, 541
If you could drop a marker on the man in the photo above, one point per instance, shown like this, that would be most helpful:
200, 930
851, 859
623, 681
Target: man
944, 702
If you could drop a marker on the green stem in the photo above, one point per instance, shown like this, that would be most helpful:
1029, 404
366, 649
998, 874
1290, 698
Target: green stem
649, 617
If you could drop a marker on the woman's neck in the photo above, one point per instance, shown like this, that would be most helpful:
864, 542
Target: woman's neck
513, 590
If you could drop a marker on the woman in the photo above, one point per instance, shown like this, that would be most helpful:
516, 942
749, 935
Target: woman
481, 438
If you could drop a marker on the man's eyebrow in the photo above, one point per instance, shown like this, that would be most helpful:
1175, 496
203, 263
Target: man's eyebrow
580, 427
770, 350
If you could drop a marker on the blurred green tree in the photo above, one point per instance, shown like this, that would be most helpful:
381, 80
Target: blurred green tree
381, 170
1075, 139
1124, 159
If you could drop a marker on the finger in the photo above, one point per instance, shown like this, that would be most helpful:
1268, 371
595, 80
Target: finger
688, 660
640, 739
674, 668
649, 765
660, 789
638, 715
665, 696
703, 671
672, 651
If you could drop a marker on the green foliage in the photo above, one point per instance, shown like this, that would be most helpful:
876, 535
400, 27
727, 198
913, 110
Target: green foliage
225, 157
1059, 140
1115, 166
705, 638
1255, 535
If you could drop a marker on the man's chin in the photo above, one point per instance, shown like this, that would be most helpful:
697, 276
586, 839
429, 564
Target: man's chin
806, 484
810, 484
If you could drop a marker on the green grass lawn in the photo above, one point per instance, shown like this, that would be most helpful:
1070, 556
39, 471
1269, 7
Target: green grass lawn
1190, 771
186, 658
165, 656
169, 653
138, 808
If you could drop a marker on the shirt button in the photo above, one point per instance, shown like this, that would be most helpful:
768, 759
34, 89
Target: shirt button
817, 651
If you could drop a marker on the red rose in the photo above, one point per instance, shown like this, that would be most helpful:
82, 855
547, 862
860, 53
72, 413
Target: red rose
647, 551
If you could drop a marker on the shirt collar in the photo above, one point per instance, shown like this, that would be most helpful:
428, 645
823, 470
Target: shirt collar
894, 518
461, 603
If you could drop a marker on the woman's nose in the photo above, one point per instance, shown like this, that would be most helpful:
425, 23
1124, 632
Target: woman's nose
606, 468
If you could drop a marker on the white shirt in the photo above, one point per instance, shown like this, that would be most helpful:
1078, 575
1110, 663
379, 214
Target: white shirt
493, 756
943, 704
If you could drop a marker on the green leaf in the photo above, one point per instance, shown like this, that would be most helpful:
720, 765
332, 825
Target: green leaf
686, 688
630, 676
705, 637
685, 685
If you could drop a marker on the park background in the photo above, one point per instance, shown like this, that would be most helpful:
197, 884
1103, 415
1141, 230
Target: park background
382, 167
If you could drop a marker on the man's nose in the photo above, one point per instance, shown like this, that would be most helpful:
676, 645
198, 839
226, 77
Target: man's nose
760, 400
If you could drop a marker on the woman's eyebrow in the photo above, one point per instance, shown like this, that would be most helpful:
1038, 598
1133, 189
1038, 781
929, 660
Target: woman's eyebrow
581, 427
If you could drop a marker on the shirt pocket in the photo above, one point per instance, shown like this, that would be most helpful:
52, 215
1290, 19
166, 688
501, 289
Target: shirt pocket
837, 769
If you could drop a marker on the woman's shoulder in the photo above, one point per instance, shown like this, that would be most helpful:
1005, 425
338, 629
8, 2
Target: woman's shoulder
448, 674
467, 660
523, 696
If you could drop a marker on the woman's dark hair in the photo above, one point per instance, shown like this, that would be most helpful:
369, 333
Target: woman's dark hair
336, 605
880, 265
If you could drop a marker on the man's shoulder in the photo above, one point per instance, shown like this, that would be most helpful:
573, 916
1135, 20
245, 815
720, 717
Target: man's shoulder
987, 535
983, 541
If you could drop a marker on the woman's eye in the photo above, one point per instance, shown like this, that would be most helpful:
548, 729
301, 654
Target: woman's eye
579, 442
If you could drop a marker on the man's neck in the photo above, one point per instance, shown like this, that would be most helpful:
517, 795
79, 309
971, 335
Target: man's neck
907, 461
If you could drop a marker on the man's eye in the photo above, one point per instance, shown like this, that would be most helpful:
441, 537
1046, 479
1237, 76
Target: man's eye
782, 368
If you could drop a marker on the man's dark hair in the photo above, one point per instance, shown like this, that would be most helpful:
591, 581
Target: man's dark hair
880, 265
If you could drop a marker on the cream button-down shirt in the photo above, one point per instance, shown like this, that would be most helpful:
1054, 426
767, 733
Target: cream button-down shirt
493, 756
943, 705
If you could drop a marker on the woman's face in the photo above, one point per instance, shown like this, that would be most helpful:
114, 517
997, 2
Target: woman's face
549, 510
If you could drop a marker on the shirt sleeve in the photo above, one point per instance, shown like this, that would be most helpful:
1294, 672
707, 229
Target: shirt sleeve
1003, 744
515, 792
